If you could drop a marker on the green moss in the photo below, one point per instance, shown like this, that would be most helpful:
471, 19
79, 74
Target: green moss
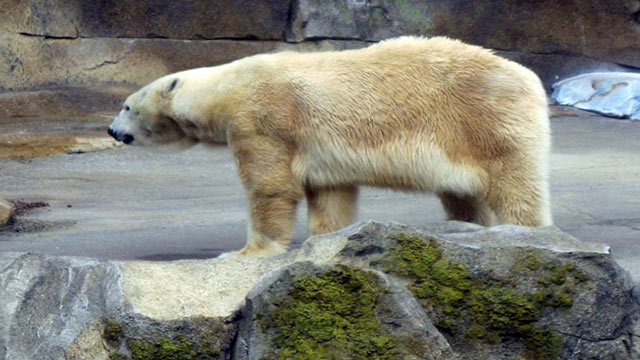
412, 16
484, 308
178, 348
200, 343
331, 317
531, 262
116, 356
377, 16
112, 332
141, 349
343, 10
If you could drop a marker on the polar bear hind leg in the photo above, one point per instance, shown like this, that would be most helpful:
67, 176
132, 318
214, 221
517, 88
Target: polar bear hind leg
519, 195
331, 208
467, 208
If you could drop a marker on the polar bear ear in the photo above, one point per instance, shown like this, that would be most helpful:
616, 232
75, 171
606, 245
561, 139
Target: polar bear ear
170, 86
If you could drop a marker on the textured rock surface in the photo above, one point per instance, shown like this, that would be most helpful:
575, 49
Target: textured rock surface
34, 62
156, 18
46, 303
635, 332
452, 290
577, 301
75, 43
612, 94
62, 101
570, 27
211, 288
74, 308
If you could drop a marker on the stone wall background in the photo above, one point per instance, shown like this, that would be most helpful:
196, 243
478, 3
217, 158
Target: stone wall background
58, 44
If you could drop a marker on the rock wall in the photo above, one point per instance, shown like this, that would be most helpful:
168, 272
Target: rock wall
56, 43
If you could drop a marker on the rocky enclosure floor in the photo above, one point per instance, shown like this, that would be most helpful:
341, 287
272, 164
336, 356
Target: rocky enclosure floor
132, 203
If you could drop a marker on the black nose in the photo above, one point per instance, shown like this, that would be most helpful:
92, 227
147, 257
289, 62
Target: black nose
125, 138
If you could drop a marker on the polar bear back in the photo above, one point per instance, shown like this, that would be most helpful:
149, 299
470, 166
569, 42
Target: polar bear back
408, 113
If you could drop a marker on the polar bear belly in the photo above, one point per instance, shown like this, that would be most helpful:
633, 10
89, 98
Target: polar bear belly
424, 167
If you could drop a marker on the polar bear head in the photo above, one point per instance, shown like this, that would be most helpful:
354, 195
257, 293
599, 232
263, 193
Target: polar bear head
146, 116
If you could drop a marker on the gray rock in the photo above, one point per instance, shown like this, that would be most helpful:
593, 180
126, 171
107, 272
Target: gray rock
612, 94
635, 335
64, 102
46, 302
64, 308
149, 19
451, 290
635, 292
45, 43
601, 30
28, 62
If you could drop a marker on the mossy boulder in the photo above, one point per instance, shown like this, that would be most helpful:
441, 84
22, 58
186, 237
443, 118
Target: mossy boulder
507, 293
306, 311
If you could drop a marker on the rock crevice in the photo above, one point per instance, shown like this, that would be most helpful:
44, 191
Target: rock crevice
50, 37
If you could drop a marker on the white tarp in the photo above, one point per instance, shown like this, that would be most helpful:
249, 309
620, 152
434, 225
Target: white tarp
615, 94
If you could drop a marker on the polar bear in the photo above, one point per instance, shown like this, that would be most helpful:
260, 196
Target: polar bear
410, 113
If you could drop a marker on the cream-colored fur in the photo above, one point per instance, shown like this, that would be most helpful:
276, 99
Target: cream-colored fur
408, 113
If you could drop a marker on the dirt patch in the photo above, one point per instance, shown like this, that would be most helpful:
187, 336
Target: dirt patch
52, 127
22, 226
26, 147
21, 207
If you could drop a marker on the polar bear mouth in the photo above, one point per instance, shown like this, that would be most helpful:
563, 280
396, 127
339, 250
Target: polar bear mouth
125, 138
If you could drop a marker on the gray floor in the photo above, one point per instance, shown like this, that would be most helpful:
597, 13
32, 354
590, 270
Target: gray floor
133, 203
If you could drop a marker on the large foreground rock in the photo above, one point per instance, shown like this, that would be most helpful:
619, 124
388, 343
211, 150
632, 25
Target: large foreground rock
449, 291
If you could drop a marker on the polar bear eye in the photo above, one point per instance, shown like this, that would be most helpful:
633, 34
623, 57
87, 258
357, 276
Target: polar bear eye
127, 108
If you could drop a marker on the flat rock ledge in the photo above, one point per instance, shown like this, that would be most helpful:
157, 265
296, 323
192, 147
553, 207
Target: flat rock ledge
370, 291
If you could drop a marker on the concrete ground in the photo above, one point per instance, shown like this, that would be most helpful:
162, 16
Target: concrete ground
132, 203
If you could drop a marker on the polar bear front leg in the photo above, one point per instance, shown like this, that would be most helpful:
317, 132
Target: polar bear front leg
271, 224
331, 208
265, 169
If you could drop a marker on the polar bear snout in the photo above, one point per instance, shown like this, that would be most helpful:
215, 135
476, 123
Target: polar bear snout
125, 138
